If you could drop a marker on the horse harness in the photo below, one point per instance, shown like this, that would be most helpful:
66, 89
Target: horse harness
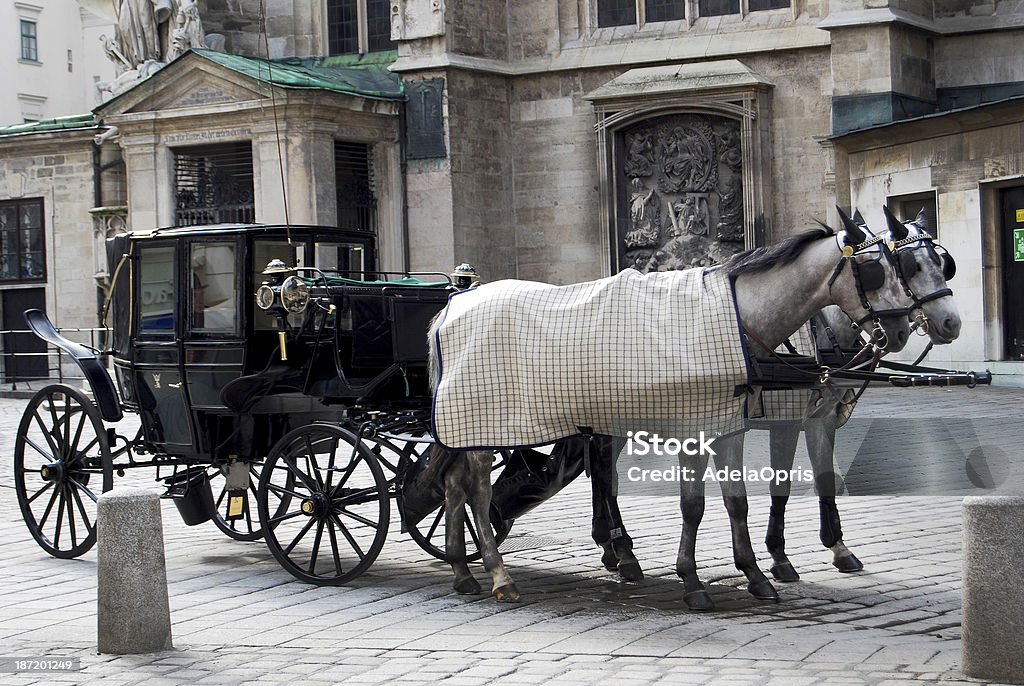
907, 267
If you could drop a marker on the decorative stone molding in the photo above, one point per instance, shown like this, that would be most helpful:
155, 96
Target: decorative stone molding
683, 159
107, 222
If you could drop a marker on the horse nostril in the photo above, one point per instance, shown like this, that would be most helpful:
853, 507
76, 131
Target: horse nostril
951, 326
902, 337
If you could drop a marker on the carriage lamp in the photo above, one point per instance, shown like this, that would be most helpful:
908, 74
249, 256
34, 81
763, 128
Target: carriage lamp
282, 293
294, 294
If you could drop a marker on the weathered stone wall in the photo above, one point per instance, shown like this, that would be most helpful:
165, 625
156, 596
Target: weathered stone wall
478, 28
978, 59
57, 168
293, 28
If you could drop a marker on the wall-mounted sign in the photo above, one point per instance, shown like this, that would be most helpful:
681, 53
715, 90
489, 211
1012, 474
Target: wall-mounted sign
1020, 216
1018, 245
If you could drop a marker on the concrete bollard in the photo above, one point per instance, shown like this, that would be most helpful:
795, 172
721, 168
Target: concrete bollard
993, 588
134, 614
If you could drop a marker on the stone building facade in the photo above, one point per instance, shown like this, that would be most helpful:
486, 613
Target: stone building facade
562, 141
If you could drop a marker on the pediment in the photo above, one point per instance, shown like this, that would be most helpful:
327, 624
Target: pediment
191, 84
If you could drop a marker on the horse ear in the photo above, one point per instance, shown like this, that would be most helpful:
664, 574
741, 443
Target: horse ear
922, 220
858, 218
854, 234
896, 228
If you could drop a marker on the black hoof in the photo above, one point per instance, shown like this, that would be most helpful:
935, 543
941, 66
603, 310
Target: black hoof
610, 560
507, 594
467, 586
698, 601
763, 590
630, 571
784, 572
848, 563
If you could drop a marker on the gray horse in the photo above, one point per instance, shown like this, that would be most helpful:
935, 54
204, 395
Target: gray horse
924, 271
776, 290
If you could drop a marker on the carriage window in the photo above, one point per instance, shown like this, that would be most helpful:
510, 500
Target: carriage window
214, 299
157, 293
347, 258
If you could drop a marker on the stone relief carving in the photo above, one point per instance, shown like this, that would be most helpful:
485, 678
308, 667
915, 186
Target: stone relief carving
147, 35
681, 177
412, 19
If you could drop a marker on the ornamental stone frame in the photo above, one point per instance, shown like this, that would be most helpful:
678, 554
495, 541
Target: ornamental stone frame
684, 163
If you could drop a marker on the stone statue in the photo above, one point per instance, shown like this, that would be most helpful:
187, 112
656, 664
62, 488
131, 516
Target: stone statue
643, 217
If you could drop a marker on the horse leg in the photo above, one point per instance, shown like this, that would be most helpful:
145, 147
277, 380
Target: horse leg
691, 503
479, 487
783, 438
821, 441
734, 493
456, 479
607, 528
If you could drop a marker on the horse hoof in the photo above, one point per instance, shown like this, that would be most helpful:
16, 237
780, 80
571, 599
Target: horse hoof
763, 590
698, 601
784, 572
507, 594
631, 571
610, 560
467, 586
848, 563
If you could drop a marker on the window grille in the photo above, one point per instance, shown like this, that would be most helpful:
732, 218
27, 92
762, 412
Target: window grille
353, 170
214, 184
29, 41
22, 252
358, 26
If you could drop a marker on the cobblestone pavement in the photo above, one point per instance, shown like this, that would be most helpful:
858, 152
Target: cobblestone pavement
239, 618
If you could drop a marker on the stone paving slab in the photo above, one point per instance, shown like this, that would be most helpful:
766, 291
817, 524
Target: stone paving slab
237, 618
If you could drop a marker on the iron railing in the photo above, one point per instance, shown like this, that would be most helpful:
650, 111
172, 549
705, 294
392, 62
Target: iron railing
59, 365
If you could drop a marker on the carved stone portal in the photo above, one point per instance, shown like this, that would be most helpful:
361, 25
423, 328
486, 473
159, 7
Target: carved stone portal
681, 178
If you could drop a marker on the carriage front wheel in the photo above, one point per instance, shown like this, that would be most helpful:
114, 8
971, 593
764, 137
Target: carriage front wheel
62, 463
324, 504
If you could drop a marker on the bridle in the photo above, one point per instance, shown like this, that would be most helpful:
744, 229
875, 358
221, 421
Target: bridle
906, 267
868, 276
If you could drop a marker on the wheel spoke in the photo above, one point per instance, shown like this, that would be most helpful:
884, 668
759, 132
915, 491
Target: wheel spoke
312, 464
334, 549
348, 536
359, 518
83, 488
71, 518
44, 489
51, 456
472, 529
60, 518
281, 490
54, 450
436, 523
353, 462
287, 516
302, 534
81, 509
293, 467
78, 435
316, 546
357, 497
49, 508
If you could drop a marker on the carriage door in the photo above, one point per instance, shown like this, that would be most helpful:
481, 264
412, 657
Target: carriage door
157, 357
1012, 238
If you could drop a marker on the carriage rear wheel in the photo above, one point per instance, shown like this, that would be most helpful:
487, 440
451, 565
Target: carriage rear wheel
62, 463
324, 504
429, 532
244, 526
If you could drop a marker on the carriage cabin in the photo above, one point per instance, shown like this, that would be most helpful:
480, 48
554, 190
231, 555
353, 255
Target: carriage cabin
186, 331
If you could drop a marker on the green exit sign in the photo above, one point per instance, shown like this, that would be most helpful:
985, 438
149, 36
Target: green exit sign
1018, 245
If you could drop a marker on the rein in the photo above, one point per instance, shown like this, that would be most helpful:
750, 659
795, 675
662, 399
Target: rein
926, 242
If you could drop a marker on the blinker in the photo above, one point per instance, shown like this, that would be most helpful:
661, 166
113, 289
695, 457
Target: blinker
872, 275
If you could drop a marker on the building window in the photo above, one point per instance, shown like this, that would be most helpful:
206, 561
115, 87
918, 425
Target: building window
29, 41
22, 253
907, 207
639, 12
214, 184
357, 205
358, 26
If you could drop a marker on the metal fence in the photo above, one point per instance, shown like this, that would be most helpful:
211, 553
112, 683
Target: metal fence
23, 368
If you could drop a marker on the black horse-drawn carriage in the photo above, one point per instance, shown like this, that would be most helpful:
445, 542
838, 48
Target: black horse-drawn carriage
296, 416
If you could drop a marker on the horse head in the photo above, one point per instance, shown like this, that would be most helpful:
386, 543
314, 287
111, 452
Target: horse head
874, 297
924, 268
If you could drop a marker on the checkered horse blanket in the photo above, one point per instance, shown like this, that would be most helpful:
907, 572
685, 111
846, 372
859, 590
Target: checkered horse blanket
525, 363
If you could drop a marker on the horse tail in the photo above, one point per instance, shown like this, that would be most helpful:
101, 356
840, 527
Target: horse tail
436, 464
433, 361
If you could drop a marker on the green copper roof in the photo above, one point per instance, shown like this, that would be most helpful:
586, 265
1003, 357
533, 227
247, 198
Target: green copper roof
365, 75
75, 121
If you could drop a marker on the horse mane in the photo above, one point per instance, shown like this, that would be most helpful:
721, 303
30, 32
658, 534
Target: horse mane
776, 255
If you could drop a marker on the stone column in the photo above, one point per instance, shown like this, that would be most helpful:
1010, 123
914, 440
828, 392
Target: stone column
993, 588
131, 590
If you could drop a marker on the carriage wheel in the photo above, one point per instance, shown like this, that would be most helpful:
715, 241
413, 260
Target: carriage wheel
324, 504
61, 463
247, 527
429, 532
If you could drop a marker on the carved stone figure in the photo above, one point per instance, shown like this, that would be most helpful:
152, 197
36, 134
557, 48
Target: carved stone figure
643, 216
683, 174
